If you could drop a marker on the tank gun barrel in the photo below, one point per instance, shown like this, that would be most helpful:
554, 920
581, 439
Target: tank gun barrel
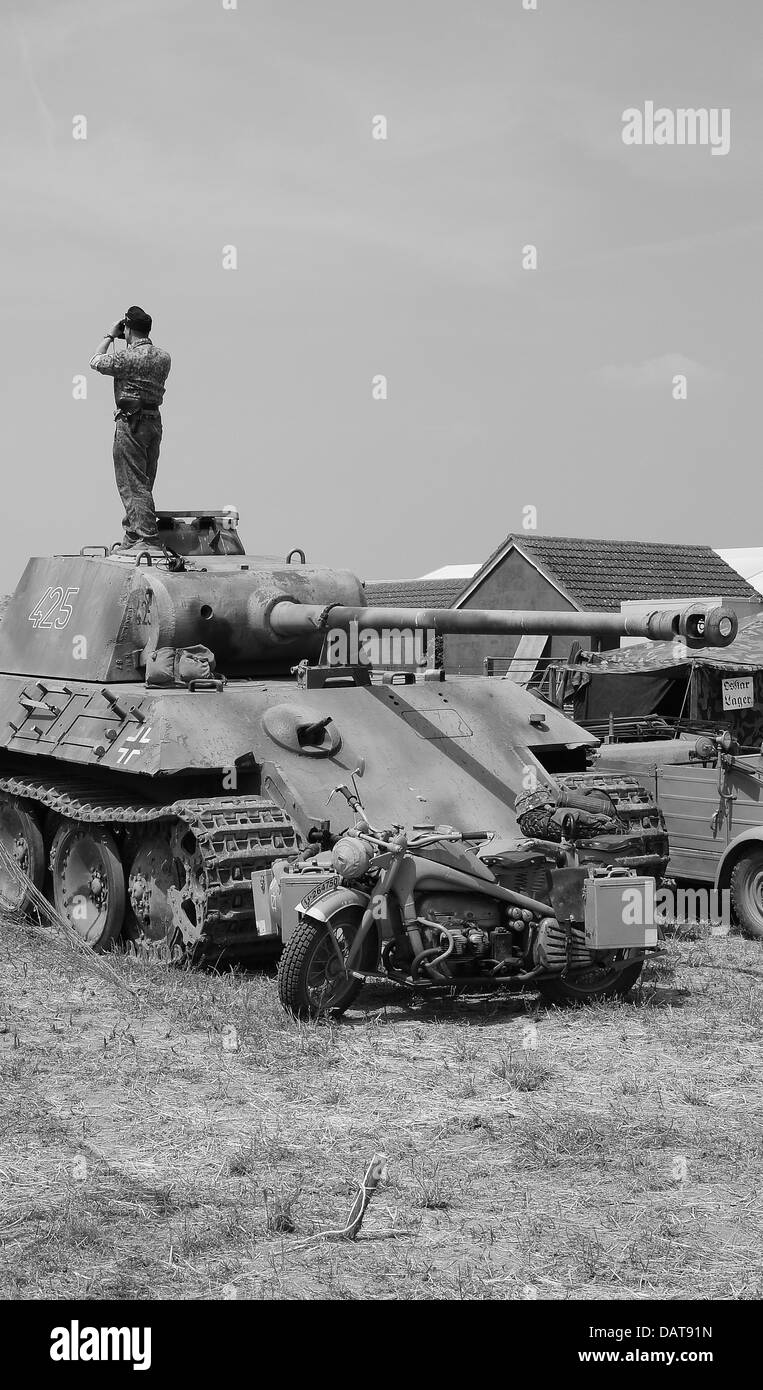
698, 626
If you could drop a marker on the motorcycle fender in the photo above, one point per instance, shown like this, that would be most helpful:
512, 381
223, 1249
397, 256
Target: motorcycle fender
323, 907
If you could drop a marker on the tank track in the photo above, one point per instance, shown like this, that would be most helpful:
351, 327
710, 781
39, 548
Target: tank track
219, 842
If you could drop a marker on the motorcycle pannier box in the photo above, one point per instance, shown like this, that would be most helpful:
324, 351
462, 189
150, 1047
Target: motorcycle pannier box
619, 913
301, 888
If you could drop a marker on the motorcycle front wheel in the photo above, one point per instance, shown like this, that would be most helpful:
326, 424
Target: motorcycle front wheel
607, 980
310, 977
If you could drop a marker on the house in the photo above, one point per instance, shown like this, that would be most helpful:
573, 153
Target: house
567, 574
414, 593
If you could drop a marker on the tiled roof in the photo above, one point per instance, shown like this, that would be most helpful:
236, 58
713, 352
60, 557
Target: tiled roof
415, 593
599, 574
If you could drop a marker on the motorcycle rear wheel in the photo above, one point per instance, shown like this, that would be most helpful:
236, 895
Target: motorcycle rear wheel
596, 982
310, 978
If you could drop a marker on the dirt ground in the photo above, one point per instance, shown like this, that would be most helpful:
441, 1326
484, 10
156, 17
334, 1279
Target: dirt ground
170, 1134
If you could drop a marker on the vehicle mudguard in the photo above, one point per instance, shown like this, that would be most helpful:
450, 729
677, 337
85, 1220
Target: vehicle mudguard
731, 854
323, 906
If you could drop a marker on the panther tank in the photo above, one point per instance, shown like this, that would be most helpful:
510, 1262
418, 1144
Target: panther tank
174, 721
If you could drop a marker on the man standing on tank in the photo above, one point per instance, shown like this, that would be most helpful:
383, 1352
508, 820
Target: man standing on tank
139, 371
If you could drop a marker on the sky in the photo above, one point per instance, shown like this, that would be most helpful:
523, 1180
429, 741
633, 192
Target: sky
358, 257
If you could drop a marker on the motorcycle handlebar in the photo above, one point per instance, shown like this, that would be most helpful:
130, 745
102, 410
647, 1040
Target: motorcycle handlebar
387, 843
415, 842
350, 797
367, 832
419, 842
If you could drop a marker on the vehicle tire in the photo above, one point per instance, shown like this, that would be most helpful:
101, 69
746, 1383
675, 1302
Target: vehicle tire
586, 986
310, 981
747, 891
88, 882
22, 840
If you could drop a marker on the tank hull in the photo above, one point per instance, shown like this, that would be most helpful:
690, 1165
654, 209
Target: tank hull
452, 751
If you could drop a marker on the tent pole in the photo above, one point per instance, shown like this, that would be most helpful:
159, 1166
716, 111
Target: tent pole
691, 694
687, 692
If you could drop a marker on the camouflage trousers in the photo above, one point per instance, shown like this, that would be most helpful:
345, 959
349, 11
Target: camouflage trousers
137, 440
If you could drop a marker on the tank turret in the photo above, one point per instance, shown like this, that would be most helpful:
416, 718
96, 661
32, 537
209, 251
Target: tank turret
101, 617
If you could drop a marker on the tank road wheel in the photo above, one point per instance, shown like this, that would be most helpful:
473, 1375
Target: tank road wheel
88, 882
21, 838
189, 898
601, 980
151, 872
310, 977
747, 891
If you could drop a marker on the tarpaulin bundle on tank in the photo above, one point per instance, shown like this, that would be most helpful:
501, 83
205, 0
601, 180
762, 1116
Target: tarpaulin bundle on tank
542, 814
179, 665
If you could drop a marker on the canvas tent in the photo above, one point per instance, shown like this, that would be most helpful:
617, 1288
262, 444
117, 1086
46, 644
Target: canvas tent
668, 679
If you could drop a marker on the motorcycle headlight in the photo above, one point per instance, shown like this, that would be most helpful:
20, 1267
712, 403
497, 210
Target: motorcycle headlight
351, 858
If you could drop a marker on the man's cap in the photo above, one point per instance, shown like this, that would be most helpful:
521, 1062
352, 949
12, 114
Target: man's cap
138, 318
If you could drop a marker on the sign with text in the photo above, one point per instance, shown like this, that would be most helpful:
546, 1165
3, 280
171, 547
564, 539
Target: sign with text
738, 693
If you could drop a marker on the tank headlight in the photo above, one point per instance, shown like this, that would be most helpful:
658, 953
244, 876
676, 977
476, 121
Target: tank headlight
350, 858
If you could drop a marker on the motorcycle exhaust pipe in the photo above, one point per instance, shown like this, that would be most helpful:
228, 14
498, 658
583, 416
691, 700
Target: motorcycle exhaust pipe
420, 961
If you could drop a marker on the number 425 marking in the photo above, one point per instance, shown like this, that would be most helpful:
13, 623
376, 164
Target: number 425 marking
53, 609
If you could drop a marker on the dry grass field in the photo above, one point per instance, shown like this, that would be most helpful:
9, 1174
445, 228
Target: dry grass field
170, 1134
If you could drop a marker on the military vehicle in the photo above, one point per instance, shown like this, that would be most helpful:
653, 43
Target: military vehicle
172, 722
426, 912
710, 791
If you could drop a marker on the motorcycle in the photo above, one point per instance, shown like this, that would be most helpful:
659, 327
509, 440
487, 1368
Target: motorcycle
425, 910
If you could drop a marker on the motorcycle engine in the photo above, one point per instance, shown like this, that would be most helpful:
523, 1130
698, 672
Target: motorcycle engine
469, 920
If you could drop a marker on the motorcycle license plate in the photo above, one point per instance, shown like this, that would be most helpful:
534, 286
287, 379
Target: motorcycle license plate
326, 885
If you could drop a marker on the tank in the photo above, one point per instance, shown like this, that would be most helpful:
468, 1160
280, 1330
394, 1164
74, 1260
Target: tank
171, 723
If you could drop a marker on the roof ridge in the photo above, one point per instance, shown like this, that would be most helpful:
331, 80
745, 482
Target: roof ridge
598, 572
